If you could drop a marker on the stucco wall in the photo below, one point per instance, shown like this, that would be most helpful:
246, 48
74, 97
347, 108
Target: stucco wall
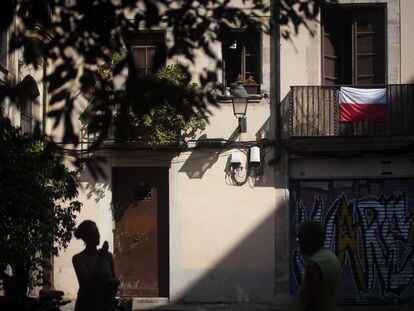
351, 168
222, 241
407, 42
222, 236
96, 198
300, 58
15, 74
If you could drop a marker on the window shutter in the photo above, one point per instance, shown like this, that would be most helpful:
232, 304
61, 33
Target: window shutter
331, 43
353, 45
3, 49
369, 48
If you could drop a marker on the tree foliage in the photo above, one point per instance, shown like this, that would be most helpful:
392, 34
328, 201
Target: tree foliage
79, 35
163, 124
37, 206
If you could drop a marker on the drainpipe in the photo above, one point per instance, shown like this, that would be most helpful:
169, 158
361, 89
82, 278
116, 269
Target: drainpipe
275, 35
44, 97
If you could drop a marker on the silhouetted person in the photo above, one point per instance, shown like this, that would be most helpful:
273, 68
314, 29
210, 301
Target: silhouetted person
9, 283
94, 269
319, 287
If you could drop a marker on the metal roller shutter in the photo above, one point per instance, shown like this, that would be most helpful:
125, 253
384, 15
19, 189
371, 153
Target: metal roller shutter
369, 225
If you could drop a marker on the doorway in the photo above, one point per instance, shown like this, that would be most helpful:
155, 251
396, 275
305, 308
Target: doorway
141, 239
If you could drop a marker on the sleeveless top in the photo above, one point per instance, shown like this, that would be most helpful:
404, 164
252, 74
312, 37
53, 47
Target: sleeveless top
84, 301
327, 297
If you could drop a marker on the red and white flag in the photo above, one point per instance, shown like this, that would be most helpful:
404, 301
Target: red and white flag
357, 104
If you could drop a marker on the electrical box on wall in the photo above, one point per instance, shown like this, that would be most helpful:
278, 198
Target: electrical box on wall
235, 157
254, 155
235, 160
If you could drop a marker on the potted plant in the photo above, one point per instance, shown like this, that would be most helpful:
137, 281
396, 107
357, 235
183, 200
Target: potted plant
249, 84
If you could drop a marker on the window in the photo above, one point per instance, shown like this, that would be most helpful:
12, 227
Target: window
241, 57
353, 45
3, 50
28, 88
26, 117
147, 52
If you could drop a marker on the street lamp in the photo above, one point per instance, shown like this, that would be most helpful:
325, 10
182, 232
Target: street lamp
239, 99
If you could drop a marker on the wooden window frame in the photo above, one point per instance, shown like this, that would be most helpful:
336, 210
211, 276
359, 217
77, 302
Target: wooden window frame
26, 117
243, 56
146, 40
145, 48
354, 69
4, 51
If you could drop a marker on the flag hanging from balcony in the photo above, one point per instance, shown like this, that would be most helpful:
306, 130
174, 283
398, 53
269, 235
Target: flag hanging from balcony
358, 104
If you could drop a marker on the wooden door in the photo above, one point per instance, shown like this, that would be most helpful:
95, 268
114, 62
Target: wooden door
140, 200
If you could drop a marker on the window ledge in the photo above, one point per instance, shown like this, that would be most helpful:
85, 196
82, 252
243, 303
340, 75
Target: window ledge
252, 98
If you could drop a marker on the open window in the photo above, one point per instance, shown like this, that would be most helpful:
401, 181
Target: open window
353, 45
242, 59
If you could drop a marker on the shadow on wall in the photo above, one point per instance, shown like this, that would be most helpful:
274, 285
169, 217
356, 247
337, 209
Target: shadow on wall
95, 189
243, 275
252, 174
411, 80
247, 272
208, 152
197, 164
284, 107
264, 130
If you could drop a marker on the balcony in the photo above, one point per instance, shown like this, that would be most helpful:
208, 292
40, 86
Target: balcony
313, 118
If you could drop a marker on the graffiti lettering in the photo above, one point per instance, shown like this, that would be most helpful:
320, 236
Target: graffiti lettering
372, 237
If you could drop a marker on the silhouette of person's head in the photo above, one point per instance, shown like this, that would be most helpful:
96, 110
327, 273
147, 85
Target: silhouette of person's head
88, 232
310, 236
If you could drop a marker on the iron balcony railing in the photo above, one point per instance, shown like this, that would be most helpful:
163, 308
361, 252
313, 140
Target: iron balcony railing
314, 111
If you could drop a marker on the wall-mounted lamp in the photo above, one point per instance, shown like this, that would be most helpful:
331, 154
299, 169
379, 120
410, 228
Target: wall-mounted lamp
239, 99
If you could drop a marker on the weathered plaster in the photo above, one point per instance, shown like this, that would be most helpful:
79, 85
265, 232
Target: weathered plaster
407, 42
351, 168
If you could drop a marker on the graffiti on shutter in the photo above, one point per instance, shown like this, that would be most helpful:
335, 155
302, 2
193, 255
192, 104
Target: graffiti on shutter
369, 225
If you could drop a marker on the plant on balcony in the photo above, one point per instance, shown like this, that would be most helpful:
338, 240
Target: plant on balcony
164, 124
37, 208
249, 84
171, 118
77, 35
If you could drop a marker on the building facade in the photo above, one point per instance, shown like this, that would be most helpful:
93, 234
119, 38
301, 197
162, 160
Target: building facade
216, 222
195, 228
165, 213
355, 177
